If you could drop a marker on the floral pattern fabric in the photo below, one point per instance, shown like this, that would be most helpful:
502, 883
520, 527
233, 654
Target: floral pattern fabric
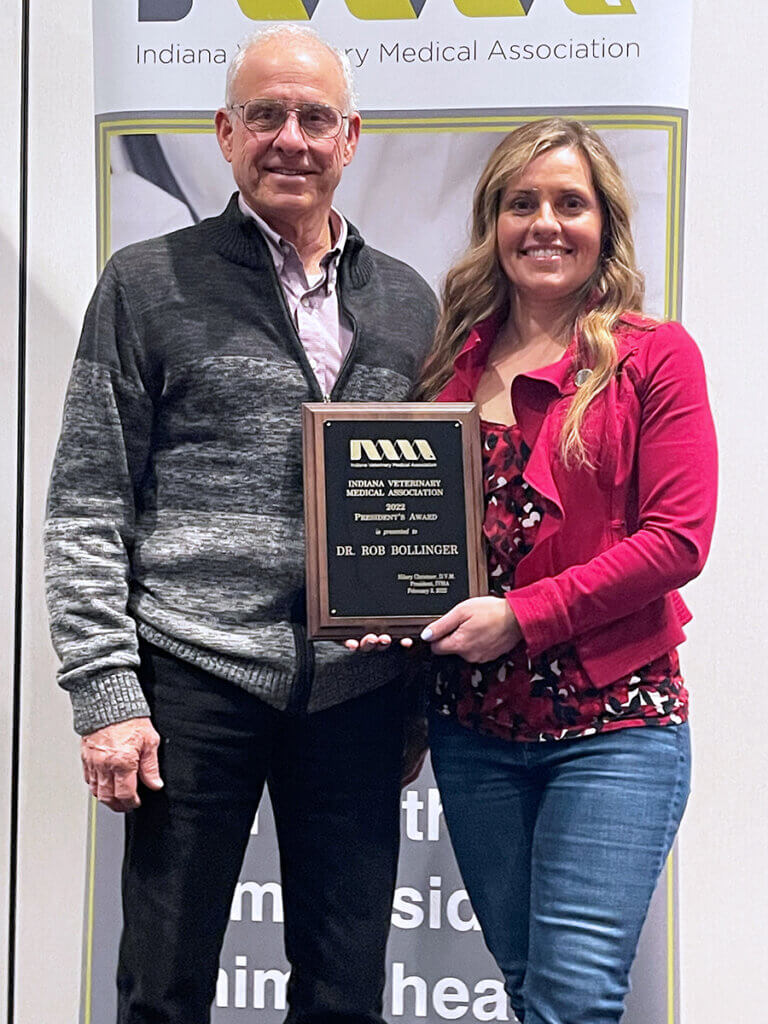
549, 697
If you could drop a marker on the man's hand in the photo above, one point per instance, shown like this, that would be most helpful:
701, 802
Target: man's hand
115, 757
480, 629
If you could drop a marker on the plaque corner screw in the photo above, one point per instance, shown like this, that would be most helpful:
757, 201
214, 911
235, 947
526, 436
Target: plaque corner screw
457, 424
333, 611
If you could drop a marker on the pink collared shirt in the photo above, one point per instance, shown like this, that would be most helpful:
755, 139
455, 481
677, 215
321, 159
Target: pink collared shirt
324, 331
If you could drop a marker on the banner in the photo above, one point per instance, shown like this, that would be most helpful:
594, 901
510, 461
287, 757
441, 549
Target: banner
439, 83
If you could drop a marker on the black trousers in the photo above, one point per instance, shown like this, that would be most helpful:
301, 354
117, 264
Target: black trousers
333, 779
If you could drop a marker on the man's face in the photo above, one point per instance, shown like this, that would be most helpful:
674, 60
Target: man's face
284, 176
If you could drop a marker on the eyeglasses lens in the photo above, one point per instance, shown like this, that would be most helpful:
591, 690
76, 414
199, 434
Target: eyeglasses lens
315, 119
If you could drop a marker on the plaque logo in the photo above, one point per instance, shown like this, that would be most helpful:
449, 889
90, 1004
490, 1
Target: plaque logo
400, 450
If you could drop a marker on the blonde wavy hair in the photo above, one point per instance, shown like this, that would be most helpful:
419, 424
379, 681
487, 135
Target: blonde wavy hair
476, 286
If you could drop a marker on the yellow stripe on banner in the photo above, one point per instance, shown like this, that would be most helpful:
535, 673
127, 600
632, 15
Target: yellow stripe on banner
668, 310
387, 129
493, 8
158, 129
91, 887
381, 10
108, 202
204, 124
103, 185
600, 6
135, 125
605, 120
678, 216
274, 10
671, 124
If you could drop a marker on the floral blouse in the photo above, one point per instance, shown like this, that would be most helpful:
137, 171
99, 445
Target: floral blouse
549, 697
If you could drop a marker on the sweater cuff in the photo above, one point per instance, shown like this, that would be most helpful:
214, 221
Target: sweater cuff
107, 699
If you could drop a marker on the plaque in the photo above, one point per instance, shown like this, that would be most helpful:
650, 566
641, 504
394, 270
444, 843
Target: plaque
393, 507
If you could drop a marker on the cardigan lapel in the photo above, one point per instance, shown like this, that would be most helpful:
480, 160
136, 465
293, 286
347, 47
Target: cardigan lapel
469, 364
534, 396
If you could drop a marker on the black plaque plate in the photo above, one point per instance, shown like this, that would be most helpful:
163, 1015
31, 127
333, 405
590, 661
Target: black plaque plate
393, 508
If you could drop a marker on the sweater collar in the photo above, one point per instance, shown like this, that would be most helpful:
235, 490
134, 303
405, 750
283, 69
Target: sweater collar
280, 248
237, 237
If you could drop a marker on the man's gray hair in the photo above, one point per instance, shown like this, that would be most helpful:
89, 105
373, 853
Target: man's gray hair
291, 32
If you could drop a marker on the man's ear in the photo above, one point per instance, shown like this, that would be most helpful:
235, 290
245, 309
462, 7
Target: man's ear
224, 131
352, 136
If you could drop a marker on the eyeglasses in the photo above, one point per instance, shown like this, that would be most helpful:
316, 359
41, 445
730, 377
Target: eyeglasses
316, 120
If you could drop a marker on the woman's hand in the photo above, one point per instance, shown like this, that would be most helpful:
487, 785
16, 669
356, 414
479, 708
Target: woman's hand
480, 629
375, 642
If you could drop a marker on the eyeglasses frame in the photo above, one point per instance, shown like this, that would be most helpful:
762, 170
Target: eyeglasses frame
238, 109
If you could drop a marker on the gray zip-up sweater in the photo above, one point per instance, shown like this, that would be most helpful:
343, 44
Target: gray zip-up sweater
175, 508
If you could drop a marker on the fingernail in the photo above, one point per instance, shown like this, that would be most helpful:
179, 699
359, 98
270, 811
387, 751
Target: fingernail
426, 634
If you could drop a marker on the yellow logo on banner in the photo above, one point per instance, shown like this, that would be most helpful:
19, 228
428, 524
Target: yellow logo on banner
278, 10
600, 6
494, 8
376, 10
385, 10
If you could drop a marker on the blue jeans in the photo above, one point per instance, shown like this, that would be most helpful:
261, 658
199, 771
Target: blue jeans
560, 846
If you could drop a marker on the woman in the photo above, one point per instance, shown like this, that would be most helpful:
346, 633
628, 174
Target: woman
559, 729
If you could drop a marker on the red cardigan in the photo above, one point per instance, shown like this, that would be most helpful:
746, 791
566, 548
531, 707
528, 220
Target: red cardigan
622, 536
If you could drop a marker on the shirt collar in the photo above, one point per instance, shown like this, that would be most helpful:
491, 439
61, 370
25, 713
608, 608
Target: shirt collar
280, 249
470, 362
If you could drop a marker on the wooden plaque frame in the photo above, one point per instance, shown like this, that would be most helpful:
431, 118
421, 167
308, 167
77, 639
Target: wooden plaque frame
389, 421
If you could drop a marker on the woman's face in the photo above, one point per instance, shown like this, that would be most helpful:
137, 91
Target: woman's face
549, 228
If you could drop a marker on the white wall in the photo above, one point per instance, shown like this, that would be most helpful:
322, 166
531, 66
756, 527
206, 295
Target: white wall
62, 267
724, 887
723, 876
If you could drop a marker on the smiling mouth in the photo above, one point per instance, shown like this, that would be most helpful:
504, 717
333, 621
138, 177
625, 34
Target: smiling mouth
288, 172
543, 253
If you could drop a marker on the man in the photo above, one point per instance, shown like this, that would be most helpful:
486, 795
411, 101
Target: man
175, 557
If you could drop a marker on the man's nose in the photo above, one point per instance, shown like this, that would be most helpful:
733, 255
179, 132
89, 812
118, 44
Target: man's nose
290, 137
